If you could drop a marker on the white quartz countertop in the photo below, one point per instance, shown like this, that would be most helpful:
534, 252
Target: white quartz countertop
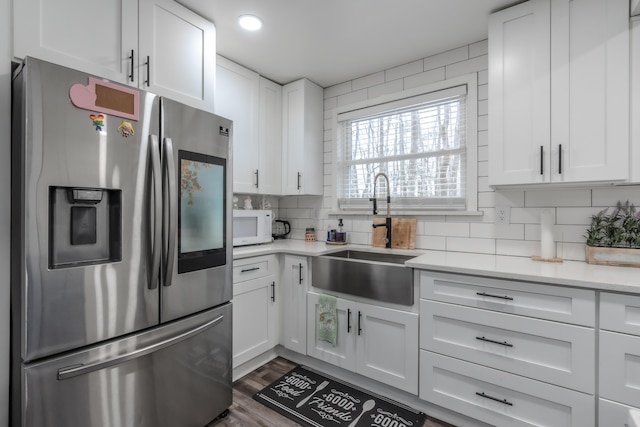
567, 273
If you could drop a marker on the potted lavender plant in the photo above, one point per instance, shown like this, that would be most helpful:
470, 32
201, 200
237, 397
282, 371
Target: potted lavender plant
614, 238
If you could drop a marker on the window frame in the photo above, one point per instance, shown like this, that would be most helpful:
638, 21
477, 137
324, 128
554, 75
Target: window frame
471, 205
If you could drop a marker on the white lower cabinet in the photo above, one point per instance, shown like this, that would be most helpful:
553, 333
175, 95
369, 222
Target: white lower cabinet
378, 342
619, 369
508, 353
255, 308
295, 278
553, 352
614, 414
500, 398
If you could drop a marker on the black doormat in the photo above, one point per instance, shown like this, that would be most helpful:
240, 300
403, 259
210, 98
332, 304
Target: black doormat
313, 400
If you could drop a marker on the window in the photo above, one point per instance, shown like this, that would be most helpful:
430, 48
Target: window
425, 143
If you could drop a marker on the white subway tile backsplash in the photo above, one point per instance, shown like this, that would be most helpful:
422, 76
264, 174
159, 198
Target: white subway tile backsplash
425, 78
446, 58
483, 78
480, 246
483, 184
405, 70
386, 88
367, 81
330, 104
570, 233
483, 91
526, 215
517, 248
483, 155
435, 243
339, 89
479, 48
560, 197
496, 231
609, 196
447, 229
483, 138
483, 107
571, 252
483, 168
576, 215
469, 66
352, 97
475, 234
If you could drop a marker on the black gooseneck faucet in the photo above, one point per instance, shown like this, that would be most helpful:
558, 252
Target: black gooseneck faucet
387, 223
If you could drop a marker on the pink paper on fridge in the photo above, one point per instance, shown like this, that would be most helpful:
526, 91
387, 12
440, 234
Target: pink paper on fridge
106, 97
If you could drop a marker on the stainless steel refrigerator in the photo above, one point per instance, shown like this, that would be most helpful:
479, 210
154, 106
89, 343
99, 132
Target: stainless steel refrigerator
121, 255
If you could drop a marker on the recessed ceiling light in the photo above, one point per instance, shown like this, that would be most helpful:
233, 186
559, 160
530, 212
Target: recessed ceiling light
250, 22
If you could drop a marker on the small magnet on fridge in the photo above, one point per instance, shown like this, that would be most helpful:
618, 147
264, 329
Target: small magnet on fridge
126, 129
98, 121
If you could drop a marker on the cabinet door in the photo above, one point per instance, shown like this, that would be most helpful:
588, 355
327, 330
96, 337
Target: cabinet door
270, 138
499, 398
294, 303
635, 97
254, 318
590, 97
237, 93
344, 353
612, 414
302, 138
387, 346
619, 371
94, 37
519, 94
177, 53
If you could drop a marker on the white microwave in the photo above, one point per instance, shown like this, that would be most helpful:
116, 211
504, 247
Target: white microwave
251, 227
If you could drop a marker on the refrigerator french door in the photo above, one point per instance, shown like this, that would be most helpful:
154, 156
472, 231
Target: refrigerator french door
121, 255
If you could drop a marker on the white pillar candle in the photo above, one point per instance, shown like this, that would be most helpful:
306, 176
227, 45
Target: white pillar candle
547, 249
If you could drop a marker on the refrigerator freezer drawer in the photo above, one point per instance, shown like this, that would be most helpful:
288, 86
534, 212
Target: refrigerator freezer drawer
176, 375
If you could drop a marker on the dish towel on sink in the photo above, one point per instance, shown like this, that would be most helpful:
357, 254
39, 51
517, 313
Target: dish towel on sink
327, 321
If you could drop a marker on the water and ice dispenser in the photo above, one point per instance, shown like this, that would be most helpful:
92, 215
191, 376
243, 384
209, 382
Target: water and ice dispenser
84, 226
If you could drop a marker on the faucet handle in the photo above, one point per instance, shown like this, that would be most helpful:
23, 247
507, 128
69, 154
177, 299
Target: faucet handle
375, 205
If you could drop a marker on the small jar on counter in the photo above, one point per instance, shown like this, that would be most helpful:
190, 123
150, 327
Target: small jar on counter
310, 234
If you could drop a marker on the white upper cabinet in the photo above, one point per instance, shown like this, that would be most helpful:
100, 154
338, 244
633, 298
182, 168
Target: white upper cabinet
75, 34
139, 43
559, 92
302, 138
255, 106
237, 93
270, 138
177, 53
635, 99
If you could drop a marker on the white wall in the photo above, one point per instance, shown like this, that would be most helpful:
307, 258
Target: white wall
572, 207
5, 180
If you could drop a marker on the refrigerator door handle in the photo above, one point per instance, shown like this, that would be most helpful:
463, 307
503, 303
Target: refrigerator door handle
170, 196
157, 211
77, 370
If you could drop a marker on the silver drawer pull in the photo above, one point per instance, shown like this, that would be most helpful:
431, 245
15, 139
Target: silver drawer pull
249, 269
504, 343
486, 396
484, 294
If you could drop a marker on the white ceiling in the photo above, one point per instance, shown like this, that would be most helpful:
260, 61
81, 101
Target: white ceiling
332, 41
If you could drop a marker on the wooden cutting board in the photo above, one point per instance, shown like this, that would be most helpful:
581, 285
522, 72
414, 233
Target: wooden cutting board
403, 233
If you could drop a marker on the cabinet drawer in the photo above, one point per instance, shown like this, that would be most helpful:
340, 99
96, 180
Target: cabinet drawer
620, 313
612, 414
524, 298
620, 367
253, 268
500, 398
553, 352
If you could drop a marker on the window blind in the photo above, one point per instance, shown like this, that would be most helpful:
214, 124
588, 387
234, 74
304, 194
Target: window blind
419, 142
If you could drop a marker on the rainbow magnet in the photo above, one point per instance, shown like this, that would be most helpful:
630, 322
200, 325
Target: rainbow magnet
98, 121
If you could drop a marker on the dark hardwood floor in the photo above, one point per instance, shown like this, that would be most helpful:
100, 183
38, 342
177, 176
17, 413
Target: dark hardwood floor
246, 412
